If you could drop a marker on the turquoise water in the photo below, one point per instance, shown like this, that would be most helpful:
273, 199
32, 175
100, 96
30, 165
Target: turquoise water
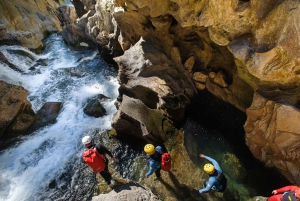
215, 128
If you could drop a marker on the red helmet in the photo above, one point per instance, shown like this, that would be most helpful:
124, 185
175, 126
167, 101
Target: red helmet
297, 192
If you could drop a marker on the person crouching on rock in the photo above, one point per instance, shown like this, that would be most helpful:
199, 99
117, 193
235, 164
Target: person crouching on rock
287, 193
95, 157
154, 157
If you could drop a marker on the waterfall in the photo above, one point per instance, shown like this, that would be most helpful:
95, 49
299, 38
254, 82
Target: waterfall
28, 168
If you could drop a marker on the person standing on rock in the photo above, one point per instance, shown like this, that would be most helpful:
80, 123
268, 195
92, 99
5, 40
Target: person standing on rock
154, 156
95, 157
217, 180
287, 193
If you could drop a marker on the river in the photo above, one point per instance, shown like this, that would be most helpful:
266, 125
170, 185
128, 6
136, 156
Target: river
46, 164
30, 167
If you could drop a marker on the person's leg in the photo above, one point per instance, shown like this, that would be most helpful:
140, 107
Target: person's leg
157, 172
105, 173
105, 177
275, 197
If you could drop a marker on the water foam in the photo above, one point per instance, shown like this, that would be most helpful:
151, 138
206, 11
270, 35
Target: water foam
28, 168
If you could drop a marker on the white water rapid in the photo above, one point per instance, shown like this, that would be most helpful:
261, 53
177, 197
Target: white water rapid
27, 168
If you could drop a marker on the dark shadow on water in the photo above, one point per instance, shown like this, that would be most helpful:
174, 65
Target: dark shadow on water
214, 127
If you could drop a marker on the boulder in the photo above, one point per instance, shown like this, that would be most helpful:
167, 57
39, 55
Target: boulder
14, 109
130, 191
47, 114
26, 22
94, 107
135, 119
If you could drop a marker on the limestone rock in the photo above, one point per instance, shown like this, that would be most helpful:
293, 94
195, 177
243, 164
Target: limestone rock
199, 77
68, 15
130, 191
189, 63
47, 114
20, 125
94, 107
155, 75
220, 79
272, 134
135, 119
199, 86
27, 21
13, 103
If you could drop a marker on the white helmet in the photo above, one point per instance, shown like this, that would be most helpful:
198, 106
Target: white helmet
86, 140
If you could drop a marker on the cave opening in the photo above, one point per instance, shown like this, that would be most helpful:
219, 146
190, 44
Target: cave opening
217, 127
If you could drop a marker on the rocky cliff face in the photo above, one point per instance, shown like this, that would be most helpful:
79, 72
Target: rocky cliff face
16, 114
245, 52
234, 49
27, 22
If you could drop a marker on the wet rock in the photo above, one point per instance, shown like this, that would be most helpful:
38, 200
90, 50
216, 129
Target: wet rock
20, 125
13, 103
3, 59
77, 72
94, 107
47, 114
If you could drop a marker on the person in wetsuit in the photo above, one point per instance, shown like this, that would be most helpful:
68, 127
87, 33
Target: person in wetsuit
217, 180
102, 150
287, 193
154, 157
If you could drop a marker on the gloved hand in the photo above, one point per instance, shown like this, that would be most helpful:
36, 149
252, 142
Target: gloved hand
194, 191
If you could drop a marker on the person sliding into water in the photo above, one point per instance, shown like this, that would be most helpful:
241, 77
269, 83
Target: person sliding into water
217, 180
95, 157
154, 156
287, 193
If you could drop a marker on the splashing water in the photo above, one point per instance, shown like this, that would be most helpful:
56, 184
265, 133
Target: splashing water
27, 169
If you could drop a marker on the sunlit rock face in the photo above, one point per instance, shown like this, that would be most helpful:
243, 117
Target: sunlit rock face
272, 134
232, 49
168, 50
26, 22
16, 114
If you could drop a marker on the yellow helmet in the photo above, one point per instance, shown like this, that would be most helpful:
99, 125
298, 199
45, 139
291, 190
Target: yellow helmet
149, 149
209, 168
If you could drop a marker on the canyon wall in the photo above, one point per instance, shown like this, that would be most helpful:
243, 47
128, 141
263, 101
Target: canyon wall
27, 22
244, 52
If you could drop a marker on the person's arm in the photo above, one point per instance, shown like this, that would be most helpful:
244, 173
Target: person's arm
102, 149
82, 160
284, 189
209, 185
152, 168
213, 161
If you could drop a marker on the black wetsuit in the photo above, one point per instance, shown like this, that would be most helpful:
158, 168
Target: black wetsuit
103, 150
